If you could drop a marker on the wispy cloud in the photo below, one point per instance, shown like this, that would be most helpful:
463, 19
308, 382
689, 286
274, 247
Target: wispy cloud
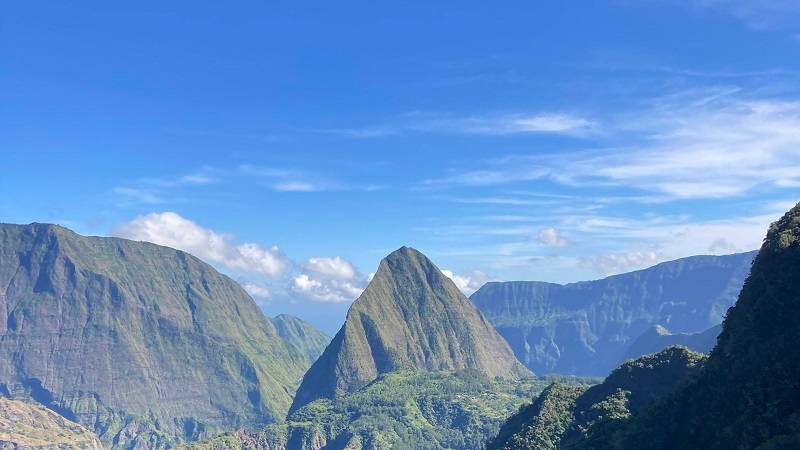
719, 144
489, 124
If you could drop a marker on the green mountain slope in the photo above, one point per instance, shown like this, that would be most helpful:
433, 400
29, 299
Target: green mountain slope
563, 416
399, 410
747, 394
143, 344
585, 328
300, 334
658, 338
410, 317
30, 426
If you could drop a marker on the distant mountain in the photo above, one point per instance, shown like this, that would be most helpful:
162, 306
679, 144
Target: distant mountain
29, 426
746, 394
410, 317
301, 335
143, 344
658, 338
585, 328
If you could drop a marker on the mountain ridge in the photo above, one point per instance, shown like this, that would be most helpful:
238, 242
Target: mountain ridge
188, 351
410, 316
585, 328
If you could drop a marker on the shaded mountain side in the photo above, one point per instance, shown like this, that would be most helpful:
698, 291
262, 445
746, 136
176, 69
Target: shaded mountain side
565, 415
585, 328
410, 317
301, 335
138, 342
27, 426
747, 393
658, 338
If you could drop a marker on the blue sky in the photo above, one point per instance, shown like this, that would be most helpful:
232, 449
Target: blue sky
293, 144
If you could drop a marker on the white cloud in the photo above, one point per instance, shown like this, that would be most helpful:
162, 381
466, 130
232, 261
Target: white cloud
326, 290
295, 186
172, 230
329, 279
712, 144
552, 238
256, 291
468, 282
515, 124
615, 263
491, 124
336, 267
722, 246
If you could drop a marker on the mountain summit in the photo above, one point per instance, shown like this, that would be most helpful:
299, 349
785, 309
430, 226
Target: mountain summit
411, 316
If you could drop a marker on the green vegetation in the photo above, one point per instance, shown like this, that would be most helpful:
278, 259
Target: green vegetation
402, 410
141, 343
410, 317
746, 395
301, 335
563, 416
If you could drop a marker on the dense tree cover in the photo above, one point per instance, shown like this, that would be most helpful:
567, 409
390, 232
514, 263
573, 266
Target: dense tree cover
563, 415
746, 395
401, 410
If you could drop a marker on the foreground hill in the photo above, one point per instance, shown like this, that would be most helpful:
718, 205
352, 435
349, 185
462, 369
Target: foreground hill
410, 317
29, 426
746, 395
141, 343
586, 328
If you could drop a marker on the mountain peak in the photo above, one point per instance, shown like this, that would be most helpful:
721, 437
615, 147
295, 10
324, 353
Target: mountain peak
410, 317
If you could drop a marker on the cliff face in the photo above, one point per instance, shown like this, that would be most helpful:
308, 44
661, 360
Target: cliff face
410, 317
585, 328
26, 426
135, 341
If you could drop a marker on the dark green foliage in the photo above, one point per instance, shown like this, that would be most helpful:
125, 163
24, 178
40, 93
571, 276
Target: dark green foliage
745, 396
586, 328
749, 392
541, 424
406, 410
566, 416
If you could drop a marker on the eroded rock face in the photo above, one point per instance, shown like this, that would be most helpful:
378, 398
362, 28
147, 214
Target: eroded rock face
141, 343
410, 317
586, 328
27, 426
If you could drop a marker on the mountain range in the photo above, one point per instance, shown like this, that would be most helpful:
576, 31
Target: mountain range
745, 394
143, 344
586, 328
